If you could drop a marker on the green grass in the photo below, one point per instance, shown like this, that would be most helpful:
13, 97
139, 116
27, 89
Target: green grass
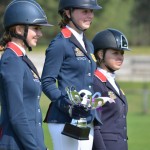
138, 96
138, 131
138, 119
44, 106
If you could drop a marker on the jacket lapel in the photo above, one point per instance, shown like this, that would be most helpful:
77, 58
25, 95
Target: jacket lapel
68, 34
75, 42
19, 53
120, 95
103, 78
30, 65
86, 44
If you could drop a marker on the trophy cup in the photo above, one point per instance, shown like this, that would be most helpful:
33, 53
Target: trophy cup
78, 129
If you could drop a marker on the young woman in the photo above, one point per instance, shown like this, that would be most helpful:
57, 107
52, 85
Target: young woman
68, 63
20, 86
109, 47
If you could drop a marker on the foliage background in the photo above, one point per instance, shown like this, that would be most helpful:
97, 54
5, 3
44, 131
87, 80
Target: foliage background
129, 16
132, 18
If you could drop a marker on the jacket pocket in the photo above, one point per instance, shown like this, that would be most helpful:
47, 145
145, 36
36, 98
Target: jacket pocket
110, 136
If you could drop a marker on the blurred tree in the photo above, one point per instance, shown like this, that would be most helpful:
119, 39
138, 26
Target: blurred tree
97, 21
3, 4
112, 15
51, 10
140, 22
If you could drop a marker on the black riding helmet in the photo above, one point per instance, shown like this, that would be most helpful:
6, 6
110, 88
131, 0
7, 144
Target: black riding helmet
109, 39
24, 12
73, 4
89, 4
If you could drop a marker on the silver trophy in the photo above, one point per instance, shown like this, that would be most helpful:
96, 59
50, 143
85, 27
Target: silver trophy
78, 129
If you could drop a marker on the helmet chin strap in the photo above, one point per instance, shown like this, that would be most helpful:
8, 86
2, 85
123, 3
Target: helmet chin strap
24, 37
75, 24
109, 68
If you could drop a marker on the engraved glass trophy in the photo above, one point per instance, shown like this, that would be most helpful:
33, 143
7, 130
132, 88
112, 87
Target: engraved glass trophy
78, 129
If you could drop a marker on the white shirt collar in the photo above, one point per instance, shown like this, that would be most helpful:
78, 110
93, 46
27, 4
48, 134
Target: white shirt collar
75, 33
79, 36
107, 74
110, 77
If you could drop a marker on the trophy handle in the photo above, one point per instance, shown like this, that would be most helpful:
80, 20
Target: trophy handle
73, 95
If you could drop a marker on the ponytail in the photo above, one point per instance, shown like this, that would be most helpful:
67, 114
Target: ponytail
6, 37
4, 40
64, 21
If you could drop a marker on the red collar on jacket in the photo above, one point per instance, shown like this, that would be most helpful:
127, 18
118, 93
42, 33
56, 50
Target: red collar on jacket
100, 76
66, 32
15, 49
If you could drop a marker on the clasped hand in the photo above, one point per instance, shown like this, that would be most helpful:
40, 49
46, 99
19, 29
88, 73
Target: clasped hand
79, 111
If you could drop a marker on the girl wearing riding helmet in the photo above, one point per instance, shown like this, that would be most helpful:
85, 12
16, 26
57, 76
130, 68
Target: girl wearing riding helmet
69, 63
109, 47
20, 86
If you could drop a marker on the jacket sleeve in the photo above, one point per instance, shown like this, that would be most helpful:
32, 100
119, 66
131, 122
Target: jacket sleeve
53, 62
12, 73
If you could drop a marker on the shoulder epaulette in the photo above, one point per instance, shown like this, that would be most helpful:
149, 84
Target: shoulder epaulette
15, 49
100, 76
66, 32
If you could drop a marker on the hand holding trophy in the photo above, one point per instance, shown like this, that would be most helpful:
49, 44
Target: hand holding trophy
82, 103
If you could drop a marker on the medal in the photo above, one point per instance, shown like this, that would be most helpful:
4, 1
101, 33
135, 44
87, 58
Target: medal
112, 95
93, 57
